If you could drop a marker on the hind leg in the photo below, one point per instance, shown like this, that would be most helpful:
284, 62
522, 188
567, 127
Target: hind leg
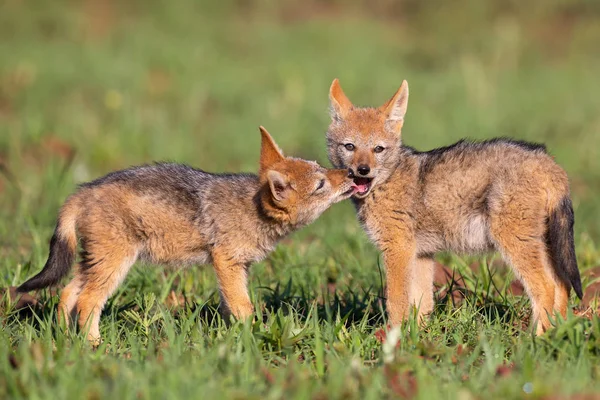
561, 299
526, 260
421, 293
68, 298
518, 231
561, 289
102, 275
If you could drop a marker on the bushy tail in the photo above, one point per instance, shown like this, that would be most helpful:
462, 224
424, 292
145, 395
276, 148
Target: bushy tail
63, 247
562, 243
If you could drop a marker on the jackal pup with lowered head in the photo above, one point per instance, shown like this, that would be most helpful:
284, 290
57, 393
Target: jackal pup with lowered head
175, 214
469, 197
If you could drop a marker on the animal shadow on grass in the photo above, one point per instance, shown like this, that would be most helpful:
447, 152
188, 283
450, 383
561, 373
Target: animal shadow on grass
346, 305
454, 289
352, 307
349, 307
331, 304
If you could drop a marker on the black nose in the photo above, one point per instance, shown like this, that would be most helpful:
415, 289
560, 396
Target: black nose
363, 169
350, 173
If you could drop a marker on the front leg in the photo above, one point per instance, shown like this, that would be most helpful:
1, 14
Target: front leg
399, 264
422, 287
233, 285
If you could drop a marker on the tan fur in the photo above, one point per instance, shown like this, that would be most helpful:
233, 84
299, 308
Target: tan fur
172, 214
68, 298
469, 198
421, 295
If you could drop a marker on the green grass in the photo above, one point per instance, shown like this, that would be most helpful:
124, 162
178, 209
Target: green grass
92, 87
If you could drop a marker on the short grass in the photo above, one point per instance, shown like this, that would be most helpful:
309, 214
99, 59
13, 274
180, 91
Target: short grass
89, 87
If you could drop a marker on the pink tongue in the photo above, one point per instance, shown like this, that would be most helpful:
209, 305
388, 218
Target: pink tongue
361, 188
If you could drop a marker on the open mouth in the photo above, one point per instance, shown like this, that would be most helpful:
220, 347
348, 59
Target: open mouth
350, 191
362, 186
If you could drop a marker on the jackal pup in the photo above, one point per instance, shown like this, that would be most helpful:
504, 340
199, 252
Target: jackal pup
174, 214
469, 197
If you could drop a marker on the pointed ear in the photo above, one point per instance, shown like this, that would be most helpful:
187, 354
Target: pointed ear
339, 105
279, 185
395, 108
269, 152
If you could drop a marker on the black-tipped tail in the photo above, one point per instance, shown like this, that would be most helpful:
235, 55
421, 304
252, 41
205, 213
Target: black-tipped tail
60, 260
562, 244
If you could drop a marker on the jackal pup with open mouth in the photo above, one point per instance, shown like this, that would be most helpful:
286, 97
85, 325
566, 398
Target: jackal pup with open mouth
175, 214
469, 197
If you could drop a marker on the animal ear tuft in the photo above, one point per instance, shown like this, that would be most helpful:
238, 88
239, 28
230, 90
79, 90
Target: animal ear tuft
279, 185
269, 152
339, 104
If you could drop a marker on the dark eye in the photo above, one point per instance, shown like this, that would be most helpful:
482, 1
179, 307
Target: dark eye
321, 184
378, 149
349, 146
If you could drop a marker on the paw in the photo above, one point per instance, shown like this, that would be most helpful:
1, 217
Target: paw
239, 312
94, 340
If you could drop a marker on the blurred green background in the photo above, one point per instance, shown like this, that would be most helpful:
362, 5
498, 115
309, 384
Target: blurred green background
116, 83
91, 86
